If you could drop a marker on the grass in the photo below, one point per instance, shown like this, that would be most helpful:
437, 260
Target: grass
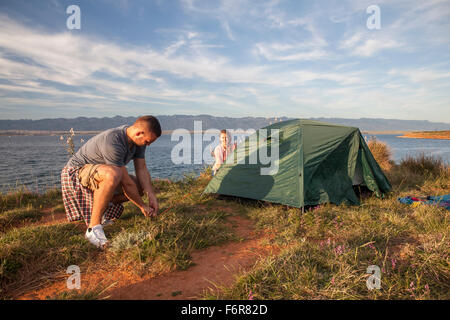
330, 248
166, 242
22, 198
327, 249
381, 152
423, 174
31, 253
97, 293
10, 218
38, 251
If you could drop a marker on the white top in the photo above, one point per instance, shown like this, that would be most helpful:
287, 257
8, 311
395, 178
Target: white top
220, 155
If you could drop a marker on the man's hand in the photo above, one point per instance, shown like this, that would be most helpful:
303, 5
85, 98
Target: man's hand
145, 181
153, 203
146, 211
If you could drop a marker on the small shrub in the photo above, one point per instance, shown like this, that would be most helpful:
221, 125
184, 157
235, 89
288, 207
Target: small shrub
127, 240
426, 173
382, 153
425, 165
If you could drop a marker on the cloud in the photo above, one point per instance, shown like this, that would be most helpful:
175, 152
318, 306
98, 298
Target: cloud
351, 41
174, 47
279, 59
75, 60
372, 46
416, 24
421, 75
286, 52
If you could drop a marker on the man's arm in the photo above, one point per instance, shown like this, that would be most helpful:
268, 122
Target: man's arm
131, 192
144, 178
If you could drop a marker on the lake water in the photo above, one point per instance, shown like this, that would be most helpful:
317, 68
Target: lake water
36, 161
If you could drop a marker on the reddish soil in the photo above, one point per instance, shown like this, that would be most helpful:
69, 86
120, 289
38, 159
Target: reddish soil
445, 135
52, 218
212, 267
49, 218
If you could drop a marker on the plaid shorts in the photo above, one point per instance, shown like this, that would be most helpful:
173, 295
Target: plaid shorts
78, 200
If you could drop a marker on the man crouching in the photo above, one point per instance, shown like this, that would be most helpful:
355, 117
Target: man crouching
95, 180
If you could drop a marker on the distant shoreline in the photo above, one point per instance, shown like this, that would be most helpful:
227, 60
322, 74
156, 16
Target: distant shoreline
441, 135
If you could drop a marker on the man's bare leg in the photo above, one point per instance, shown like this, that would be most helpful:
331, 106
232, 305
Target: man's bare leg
121, 198
108, 178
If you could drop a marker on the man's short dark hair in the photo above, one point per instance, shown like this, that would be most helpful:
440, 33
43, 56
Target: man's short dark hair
152, 122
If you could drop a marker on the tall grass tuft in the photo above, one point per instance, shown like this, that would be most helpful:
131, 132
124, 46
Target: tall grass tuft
428, 173
426, 165
381, 152
70, 145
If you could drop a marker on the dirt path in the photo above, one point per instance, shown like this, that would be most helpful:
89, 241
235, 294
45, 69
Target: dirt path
50, 218
212, 267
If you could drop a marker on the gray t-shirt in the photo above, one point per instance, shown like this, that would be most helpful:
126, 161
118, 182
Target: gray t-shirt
108, 147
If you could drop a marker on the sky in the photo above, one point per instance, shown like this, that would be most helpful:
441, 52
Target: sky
235, 58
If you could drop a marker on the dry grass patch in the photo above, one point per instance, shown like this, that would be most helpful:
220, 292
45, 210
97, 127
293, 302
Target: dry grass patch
381, 152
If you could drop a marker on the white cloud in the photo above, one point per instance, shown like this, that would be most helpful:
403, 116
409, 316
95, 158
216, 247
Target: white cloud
372, 46
416, 24
289, 52
352, 41
75, 60
170, 50
420, 75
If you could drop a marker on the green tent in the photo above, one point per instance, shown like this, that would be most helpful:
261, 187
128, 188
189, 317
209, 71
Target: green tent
318, 163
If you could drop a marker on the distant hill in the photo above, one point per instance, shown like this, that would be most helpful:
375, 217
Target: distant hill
379, 124
173, 122
167, 123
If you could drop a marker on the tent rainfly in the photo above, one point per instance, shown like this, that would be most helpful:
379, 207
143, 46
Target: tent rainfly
317, 163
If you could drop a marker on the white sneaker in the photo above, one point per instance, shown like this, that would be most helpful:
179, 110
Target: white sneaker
96, 236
